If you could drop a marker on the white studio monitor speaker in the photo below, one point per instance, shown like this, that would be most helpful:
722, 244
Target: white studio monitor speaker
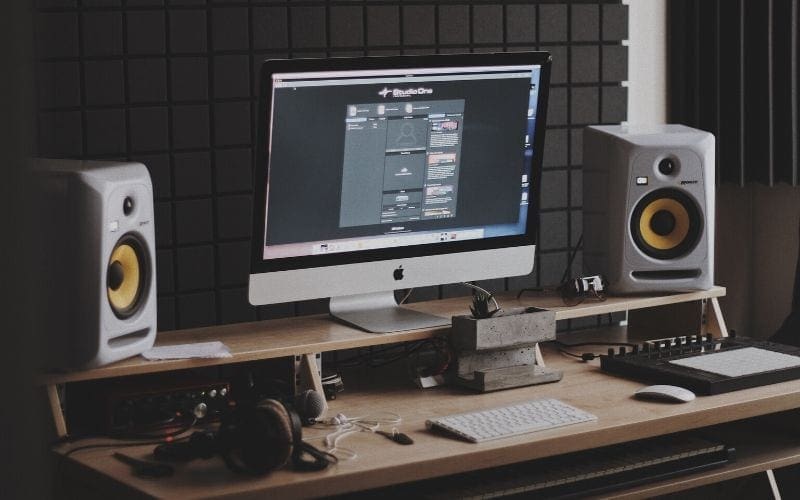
648, 207
96, 244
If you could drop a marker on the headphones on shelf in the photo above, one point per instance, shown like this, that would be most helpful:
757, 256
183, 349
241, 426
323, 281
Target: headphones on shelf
253, 439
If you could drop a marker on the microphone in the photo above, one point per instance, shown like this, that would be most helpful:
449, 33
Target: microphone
309, 405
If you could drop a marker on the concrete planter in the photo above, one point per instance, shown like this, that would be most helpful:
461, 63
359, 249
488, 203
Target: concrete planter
499, 352
509, 329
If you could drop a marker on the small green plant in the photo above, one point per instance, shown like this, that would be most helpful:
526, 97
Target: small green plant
480, 305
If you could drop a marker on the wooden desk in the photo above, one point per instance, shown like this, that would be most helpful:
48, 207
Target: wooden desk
381, 462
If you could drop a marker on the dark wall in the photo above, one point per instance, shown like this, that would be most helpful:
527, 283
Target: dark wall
172, 83
24, 443
733, 72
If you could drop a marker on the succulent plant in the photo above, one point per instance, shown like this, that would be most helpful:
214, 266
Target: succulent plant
480, 305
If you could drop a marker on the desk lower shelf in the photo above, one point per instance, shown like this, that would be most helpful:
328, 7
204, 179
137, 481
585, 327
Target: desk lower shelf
757, 450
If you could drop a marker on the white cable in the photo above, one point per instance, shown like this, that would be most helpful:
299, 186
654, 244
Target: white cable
346, 426
332, 443
405, 297
385, 417
330, 439
366, 427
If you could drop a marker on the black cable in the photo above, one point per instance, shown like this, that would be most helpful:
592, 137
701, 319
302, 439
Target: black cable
120, 445
564, 351
71, 438
369, 359
361, 356
581, 344
571, 259
564, 275
155, 435
404, 355
59, 464
586, 356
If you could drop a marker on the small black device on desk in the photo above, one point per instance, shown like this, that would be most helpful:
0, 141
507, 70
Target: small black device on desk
706, 365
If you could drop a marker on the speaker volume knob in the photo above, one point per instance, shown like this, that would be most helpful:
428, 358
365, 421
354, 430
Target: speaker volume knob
116, 275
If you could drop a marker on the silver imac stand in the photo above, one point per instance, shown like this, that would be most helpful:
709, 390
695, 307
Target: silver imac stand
379, 313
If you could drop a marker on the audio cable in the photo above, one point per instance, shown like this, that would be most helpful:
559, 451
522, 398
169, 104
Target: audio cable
59, 467
587, 356
346, 426
166, 434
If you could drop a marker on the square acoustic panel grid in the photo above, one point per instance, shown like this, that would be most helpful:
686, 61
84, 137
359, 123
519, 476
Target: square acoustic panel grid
173, 84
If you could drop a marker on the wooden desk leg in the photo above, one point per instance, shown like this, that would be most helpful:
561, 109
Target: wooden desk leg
55, 409
715, 322
308, 375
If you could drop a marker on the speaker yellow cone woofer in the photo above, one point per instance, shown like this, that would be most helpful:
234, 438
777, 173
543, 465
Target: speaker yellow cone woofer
666, 224
669, 233
126, 276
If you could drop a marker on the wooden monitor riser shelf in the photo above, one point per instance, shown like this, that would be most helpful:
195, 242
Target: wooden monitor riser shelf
312, 334
302, 337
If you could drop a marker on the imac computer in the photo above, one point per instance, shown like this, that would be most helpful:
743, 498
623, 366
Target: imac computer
384, 173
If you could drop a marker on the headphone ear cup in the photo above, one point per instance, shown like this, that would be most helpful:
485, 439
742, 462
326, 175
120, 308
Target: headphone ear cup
258, 439
306, 458
270, 444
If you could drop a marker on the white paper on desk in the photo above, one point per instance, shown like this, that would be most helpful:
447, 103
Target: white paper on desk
185, 351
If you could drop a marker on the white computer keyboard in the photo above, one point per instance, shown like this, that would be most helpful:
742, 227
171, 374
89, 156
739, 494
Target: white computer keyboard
506, 421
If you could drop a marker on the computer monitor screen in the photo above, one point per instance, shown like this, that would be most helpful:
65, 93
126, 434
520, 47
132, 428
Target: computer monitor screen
382, 173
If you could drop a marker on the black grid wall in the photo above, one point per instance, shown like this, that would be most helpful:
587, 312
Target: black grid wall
172, 84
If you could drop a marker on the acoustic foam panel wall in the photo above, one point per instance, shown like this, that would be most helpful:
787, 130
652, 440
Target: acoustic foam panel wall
173, 84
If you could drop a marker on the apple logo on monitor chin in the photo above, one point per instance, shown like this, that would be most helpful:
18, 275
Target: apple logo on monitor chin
398, 273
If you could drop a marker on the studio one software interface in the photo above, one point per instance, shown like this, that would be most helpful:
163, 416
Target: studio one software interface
368, 159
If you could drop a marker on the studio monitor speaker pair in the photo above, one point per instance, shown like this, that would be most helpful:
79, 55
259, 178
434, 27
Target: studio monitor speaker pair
648, 207
96, 279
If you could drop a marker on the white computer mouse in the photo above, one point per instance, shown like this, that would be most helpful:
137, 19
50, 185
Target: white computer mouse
665, 393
